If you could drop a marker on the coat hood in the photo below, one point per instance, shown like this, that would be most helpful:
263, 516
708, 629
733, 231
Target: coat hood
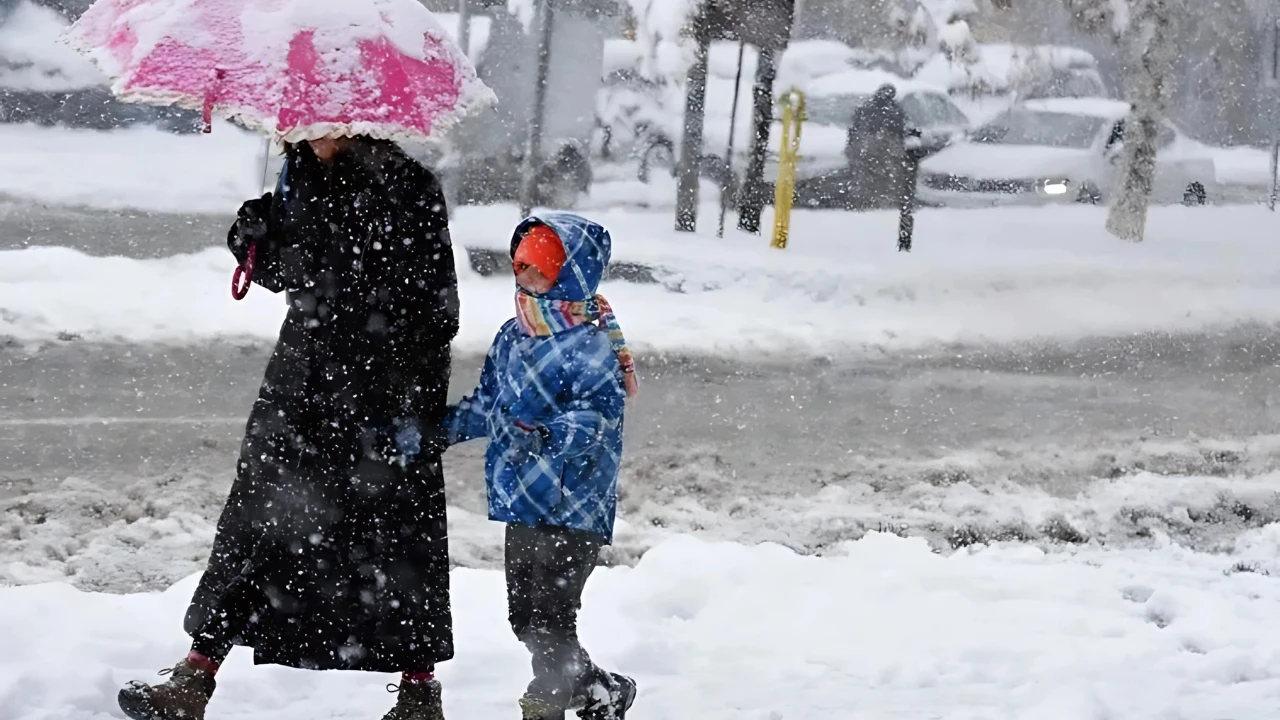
587, 247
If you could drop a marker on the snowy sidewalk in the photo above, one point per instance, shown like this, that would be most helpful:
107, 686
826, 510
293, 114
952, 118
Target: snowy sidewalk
881, 628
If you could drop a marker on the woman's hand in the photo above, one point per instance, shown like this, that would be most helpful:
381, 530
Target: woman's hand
403, 440
252, 225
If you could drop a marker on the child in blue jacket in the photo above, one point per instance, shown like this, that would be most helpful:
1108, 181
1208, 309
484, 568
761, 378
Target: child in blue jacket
550, 402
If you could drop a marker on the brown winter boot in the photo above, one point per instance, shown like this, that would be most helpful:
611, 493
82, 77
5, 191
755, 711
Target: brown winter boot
535, 709
416, 701
182, 697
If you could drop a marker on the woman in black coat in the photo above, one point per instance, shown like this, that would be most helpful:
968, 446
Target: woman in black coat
332, 552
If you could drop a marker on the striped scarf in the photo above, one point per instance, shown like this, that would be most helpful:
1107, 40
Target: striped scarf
542, 317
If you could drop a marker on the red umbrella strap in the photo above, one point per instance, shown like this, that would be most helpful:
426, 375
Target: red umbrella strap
210, 95
243, 275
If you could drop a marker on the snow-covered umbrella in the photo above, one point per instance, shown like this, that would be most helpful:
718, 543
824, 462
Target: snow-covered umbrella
295, 69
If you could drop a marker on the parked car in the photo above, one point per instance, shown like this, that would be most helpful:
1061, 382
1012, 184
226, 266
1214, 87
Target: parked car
641, 117
1060, 151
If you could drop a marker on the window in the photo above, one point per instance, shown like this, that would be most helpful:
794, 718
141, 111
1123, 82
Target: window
1050, 129
835, 110
1117, 134
1166, 135
925, 110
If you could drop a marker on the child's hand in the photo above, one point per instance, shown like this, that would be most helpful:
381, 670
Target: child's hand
527, 441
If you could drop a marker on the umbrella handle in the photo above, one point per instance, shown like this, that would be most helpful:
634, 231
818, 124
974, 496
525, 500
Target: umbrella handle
243, 276
215, 80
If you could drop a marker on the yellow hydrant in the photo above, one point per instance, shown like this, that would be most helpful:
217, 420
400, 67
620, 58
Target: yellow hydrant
793, 117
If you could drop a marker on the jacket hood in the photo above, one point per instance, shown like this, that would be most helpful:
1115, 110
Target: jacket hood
587, 247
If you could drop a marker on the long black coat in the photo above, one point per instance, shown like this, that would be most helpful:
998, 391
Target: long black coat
875, 147
332, 549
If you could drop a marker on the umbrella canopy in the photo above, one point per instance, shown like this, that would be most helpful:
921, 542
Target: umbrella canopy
296, 69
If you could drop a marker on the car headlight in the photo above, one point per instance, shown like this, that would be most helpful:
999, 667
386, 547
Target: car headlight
1053, 186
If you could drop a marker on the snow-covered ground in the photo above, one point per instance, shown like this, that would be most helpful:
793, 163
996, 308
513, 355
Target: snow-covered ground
878, 628
1113, 610
975, 276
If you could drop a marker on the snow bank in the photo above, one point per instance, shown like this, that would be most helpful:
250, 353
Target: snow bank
974, 277
882, 625
31, 58
136, 168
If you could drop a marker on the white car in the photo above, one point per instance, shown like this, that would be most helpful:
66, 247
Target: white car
1060, 151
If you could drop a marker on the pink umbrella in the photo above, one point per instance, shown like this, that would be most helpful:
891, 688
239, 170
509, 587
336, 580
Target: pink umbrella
296, 69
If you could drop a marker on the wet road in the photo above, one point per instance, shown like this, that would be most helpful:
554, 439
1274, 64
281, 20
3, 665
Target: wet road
95, 435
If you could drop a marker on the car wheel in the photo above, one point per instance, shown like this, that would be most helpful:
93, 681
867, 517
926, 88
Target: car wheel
1089, 194
1195, 194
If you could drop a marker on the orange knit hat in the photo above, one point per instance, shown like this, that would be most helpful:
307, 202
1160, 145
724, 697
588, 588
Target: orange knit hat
541, 248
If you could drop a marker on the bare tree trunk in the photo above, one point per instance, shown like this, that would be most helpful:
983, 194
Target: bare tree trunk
1151, 40
691, 146
754, 191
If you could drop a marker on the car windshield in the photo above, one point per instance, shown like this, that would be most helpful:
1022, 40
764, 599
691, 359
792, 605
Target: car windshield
925, 110
833, 109
1052, 129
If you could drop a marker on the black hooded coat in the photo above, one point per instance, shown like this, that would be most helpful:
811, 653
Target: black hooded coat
332, 550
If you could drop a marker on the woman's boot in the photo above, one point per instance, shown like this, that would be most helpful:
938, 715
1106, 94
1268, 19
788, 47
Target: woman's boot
182, 697
417, 701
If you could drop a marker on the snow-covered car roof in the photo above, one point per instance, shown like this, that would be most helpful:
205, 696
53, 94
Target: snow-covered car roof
1104, 108
865, 82
996, 68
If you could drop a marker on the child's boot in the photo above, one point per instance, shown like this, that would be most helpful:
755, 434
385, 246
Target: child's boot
182, 697
610, 701
417, 700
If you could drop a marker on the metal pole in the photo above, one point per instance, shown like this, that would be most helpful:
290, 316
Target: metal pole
464, 27
1275, 179
533, 143
266, 160
728, 154
793, 115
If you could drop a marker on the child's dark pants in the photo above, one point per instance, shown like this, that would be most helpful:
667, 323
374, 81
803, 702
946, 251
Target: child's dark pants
547, 569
